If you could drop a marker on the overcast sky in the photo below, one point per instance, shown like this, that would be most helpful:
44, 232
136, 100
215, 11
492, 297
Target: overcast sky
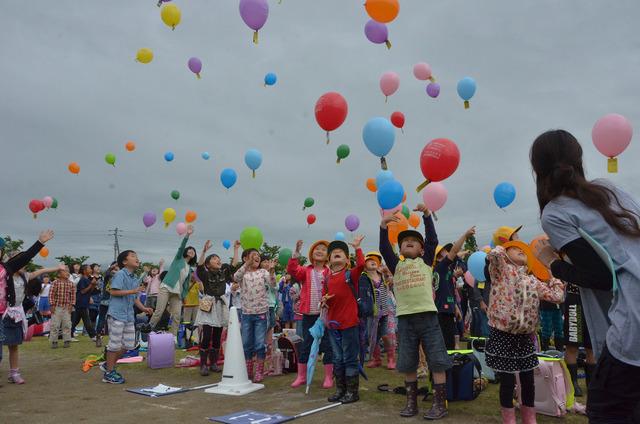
71, 91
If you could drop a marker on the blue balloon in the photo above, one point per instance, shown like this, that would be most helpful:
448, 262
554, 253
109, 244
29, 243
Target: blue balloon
253, 159
228, 177
226, 244
466, 88
504, 194
475, 264
379, 135
383, 176
390, 194
340, 236
270, 79
205, 155
169, 156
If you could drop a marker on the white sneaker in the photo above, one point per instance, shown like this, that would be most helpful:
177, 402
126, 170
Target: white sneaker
93, 339
73, 339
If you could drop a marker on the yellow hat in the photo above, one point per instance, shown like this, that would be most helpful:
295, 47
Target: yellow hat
535, 266
313, 246
375, 256
504, 234
446, 247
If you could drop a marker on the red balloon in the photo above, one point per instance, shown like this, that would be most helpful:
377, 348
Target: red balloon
311, 218
439, 159
397, 119
331, 111
35, 206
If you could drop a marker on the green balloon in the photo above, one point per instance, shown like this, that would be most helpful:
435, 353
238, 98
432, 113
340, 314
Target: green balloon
54, 204
175, 194
308, 202
110, 158
343, 152
251, 238
405, 211
284, 256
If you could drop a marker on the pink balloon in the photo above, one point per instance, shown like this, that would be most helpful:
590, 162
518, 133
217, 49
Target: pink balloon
389, 83
181, 228
612, 134
48, 201
468, 278
434, 196
422, 71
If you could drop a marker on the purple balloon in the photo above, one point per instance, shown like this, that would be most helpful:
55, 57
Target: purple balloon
195, 65
149, 219
376, 32
352, 222
254, 13
433, 89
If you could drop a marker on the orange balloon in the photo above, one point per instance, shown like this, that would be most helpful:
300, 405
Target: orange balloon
190, 216
44, 252
130, 146
396, 228
414, 220
74, 168
383, 11
371, 185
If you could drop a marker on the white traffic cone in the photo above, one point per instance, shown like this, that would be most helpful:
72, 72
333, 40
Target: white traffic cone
235, 381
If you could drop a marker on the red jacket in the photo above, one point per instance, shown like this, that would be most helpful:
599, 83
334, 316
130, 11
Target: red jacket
343, 306
302, 274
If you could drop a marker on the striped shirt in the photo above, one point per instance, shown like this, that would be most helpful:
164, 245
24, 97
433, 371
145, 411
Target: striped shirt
62, 294
317, 278
382, 297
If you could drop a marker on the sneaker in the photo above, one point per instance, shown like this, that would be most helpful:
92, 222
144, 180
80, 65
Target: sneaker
54, 345
103, 367
16, 378
73, 339
112, 378
93, 339
66, 344
98, 341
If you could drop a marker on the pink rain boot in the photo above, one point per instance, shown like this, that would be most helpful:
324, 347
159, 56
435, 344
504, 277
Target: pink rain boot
375, 361
508, 415
328, 377
249, 363
528, 415
390, 349
259, 374
302, 376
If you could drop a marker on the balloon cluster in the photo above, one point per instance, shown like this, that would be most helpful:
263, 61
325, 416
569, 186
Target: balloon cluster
381, 13
38, 205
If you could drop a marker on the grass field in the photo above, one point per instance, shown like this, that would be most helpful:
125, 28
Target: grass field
58, 391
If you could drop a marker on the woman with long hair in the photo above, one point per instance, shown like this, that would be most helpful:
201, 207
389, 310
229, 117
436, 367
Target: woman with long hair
595, 227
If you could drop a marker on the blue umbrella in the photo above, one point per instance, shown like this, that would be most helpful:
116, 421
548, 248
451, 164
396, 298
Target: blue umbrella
316, 331
334, 331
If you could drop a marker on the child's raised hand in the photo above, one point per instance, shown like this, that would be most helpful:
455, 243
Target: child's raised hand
237, 244
356, 241
420, 207
386, 220
299, 244
470, 232
207, 245
45, 236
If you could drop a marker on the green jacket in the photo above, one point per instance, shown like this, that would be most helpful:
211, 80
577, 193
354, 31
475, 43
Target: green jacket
173, 275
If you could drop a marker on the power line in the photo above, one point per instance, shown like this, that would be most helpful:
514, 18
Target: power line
116, 246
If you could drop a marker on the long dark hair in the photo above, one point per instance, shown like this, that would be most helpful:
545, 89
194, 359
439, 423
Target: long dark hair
556, 158
193, 260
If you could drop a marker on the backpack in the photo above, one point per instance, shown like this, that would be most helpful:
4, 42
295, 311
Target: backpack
461, 378
554, 389
289, 349
367, 302
363, 307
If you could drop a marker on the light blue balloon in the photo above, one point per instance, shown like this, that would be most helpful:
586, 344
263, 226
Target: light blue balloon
466, 88
492, 244
169, 156
228, 177
205, 155
504, 194
253, 159
390, 194
476, 263
379, 135
270, 79
226, 244
340, 236
383, 176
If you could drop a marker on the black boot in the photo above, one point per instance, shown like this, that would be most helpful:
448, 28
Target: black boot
559, 342
353, 384
341, 387
412, 399
439, 408
204, 369
573, 371
589, 370
213, 360
544, 344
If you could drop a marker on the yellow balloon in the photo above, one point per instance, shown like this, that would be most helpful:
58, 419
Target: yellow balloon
170, 15
168, 215
144, 55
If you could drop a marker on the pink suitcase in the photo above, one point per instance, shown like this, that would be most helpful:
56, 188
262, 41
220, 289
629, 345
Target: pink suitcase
161, 350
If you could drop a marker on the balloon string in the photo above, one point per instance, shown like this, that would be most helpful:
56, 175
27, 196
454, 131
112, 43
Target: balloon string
388, 43
434, 216
383, 163
386, 98
402, 130
466, 104
255, 37
421, 186
198, 75
328, 137
432, 79
338, 161
173, 27
35, 216
254, 173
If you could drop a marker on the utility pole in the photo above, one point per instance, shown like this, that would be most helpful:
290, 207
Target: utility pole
116, 247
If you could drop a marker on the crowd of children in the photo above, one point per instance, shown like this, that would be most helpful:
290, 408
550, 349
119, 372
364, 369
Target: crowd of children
406, 302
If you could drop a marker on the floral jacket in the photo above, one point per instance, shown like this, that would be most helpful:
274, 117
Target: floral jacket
515, 295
